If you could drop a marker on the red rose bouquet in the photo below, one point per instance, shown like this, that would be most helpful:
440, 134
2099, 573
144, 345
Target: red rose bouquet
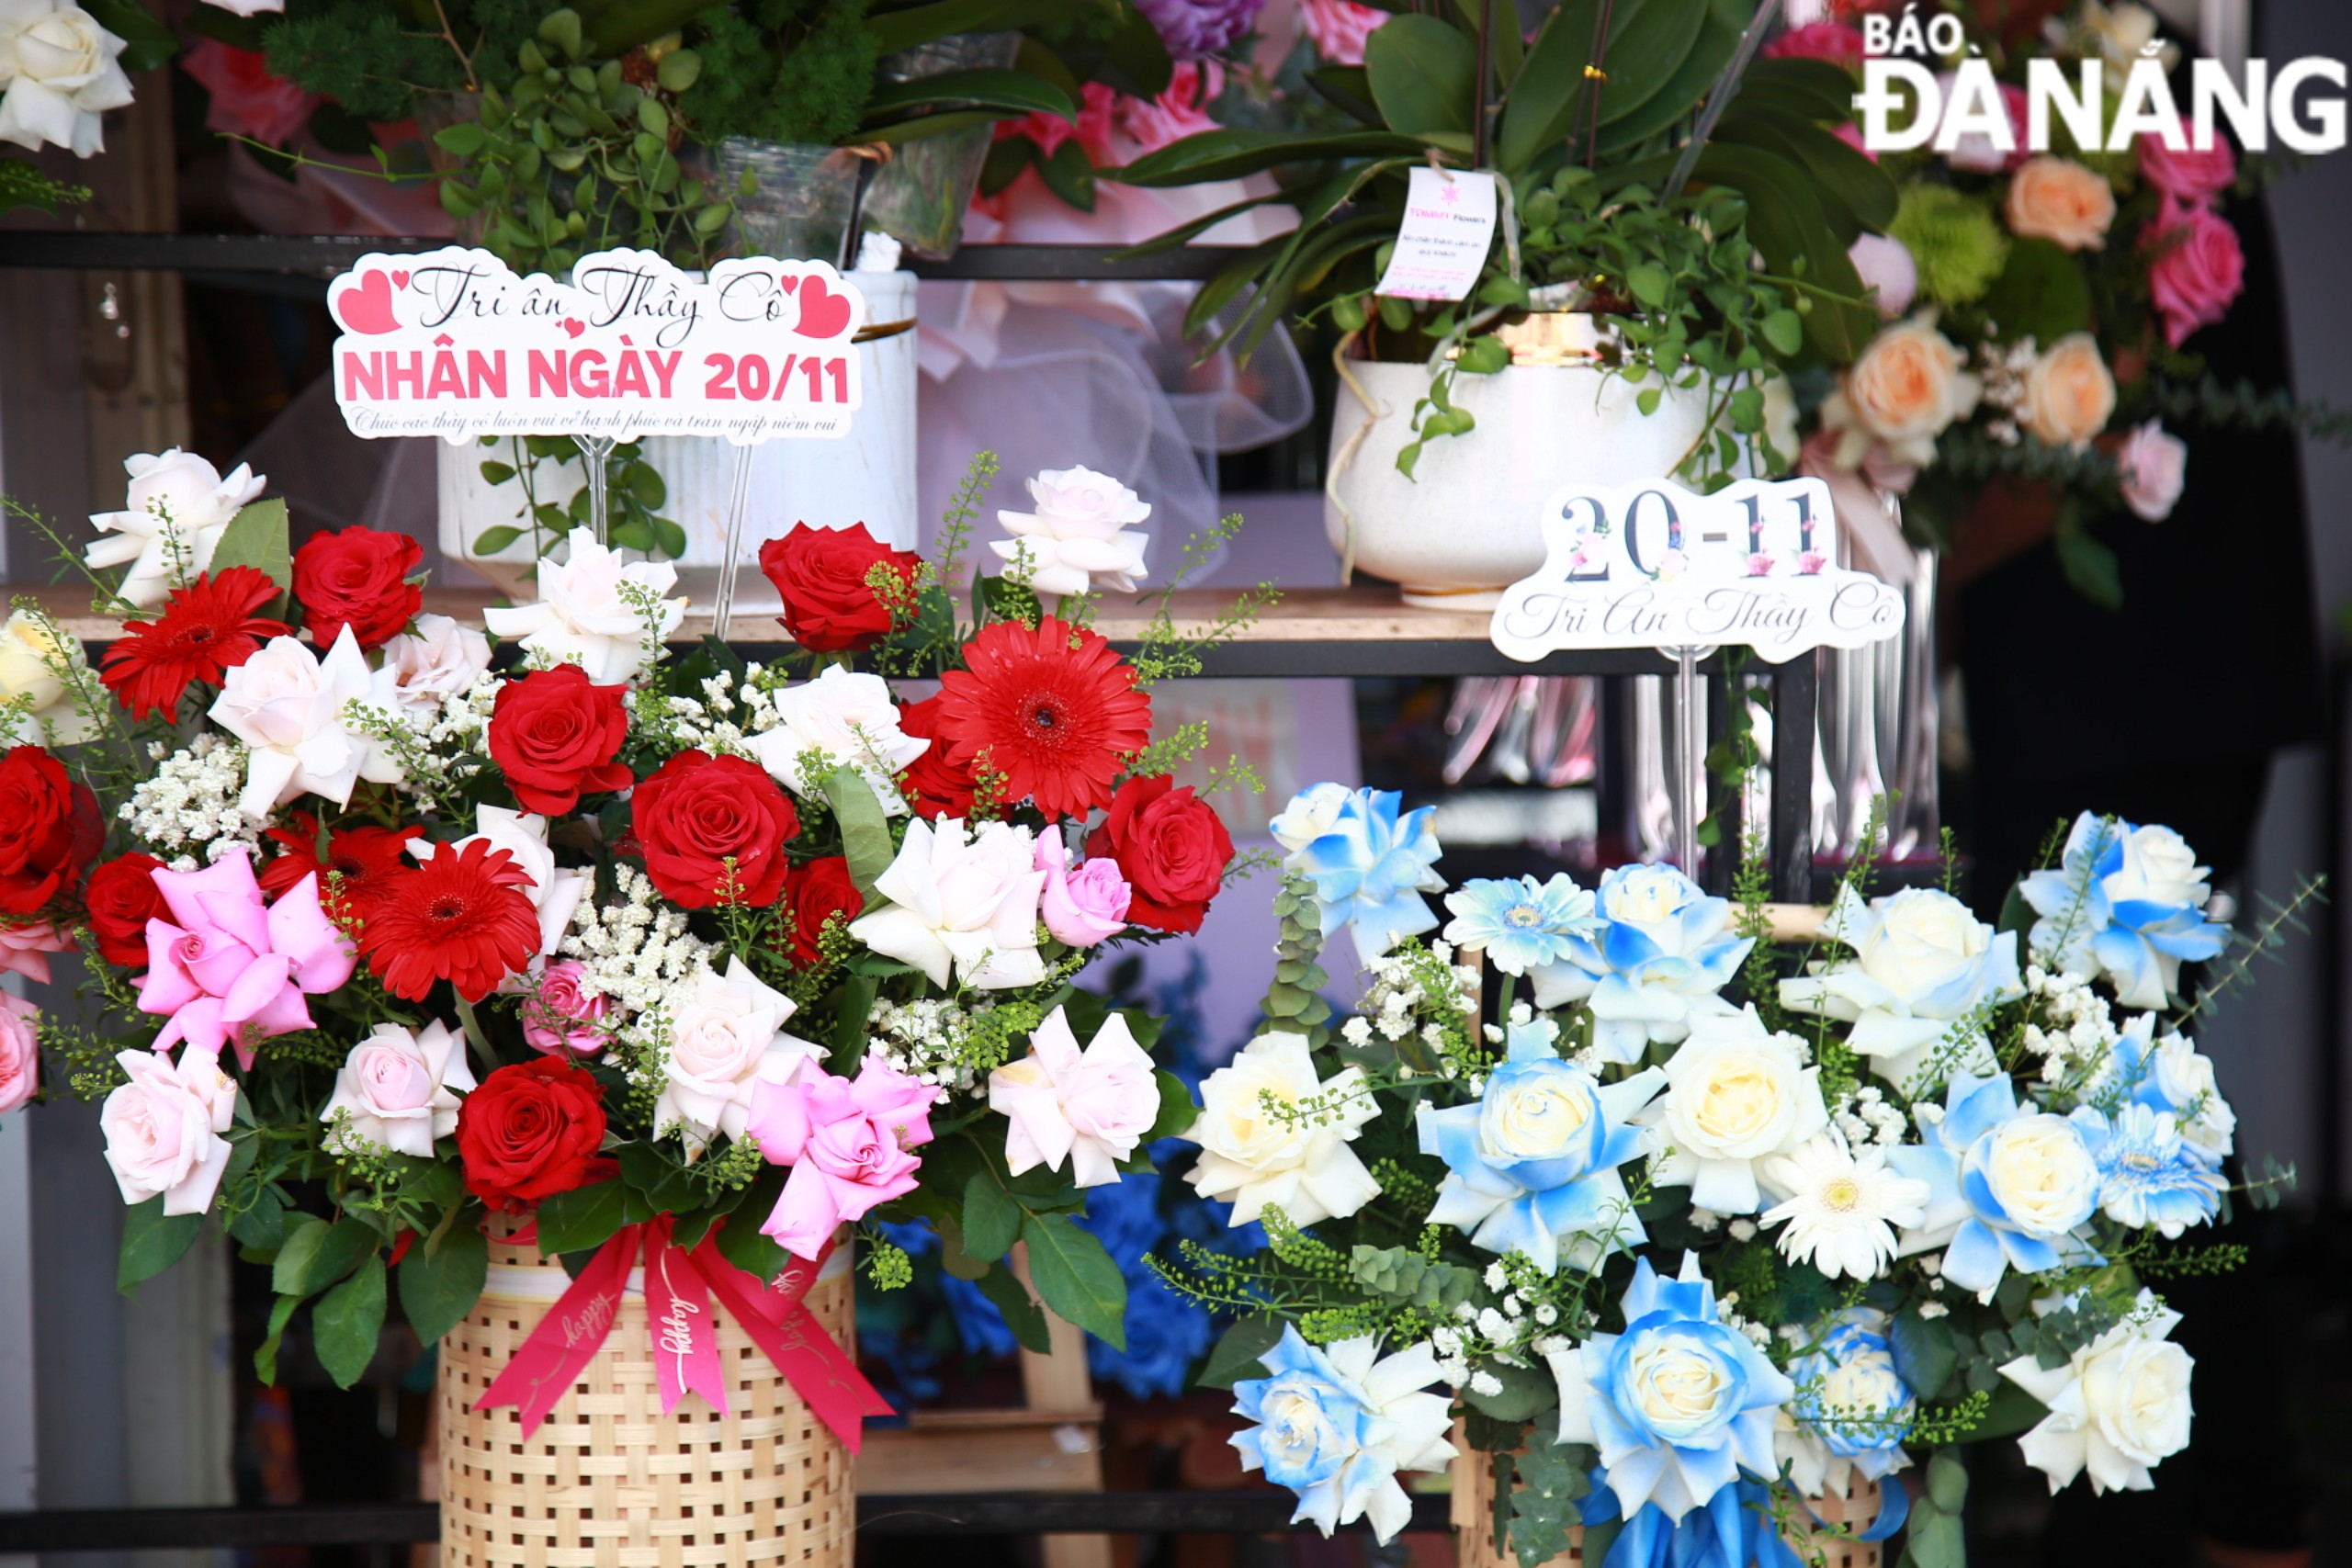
599, 927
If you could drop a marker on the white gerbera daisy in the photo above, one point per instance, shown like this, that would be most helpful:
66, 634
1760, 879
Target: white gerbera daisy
1841, 1208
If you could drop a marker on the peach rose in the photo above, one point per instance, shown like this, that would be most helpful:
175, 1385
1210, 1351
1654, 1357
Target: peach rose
2060, 200
2069, 393
1905, 390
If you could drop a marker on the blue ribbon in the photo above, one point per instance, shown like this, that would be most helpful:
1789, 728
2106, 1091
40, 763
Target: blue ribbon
1732, 1529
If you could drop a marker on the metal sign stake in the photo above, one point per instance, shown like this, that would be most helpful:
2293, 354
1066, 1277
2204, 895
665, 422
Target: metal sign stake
722, 607
595, 453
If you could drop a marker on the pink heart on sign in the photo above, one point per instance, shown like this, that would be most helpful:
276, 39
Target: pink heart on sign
400, 280
787, 283
367, 306
822, 312
574, 327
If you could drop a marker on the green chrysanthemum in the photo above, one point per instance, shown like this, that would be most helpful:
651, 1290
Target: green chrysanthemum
1955, 241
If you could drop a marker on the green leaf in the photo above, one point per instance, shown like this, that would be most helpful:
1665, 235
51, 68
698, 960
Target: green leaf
857, 994
1866, 192
281, 1313
152, 1242
150, 42
1068, 173
492, 540
462, 140
1684, 92
1646, 50
865, 832
1240, 1353
1784, 330
1651, 283
1814, 88
1076, 1278
1924, 1352
1948, 1482
1543, 1505
1229, 154
1177, 1111
348, 1321
1423, 74
2088, 564
494, 473
1022, 1315
256, 537
584, 1218
317, 1254
1348, 87
903, 30
739, 1241
1547, 97
1015, 91
991, 1219
1785, 220
262, 1224
2041, 294
440, 1284
1525, 1394
1934, 1538
678, 70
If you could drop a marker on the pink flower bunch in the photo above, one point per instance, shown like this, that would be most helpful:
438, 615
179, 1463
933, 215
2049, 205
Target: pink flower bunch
560, 1018
2187, 176
1339, 28
1181, 112
1840, 43
1083, 906
229, 971
2198, 271
848, 1143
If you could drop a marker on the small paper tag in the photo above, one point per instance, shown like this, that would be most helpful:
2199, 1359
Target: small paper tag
1449, 224
1654, 566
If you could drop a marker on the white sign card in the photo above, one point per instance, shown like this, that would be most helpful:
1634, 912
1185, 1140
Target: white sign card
1654, 566
453, 343
1449, 225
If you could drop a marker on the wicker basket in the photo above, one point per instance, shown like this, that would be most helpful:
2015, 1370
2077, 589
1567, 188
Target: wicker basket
608, 1480
1474, 1527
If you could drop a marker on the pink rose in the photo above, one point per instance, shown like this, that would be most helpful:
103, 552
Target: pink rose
1089, 1107
2153, 468
561, 1015
1976, 152
246, 99
1834, 41
163, 1128
19, 1052
1085, 905
226, 970
25, 950
847, 1143
2189, 177
1179, 112
1886, 265
2198, 271
1339, 29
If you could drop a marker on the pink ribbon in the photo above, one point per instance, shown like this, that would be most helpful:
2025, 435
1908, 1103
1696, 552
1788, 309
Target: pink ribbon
678, 1287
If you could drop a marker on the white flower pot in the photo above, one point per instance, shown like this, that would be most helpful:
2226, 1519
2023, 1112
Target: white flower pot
867, 475
1469, 523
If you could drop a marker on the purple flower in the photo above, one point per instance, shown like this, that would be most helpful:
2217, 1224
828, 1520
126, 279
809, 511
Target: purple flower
1195, 28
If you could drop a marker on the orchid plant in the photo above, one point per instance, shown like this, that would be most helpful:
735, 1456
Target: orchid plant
1695, 1230
394, 925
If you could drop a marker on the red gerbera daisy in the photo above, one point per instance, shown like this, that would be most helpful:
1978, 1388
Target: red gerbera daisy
368, 858
458, 918
206, 629
1050, 711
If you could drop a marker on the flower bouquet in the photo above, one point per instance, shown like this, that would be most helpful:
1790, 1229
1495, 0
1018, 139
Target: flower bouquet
414, 949
2040, 304
1702, 1240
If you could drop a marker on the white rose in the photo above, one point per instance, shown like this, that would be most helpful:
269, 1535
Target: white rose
1078, 532
249, 7
1921, 962
33, 662
964, 899
595, 610
2184, 1076
1924, 939
2158, 868
163, 1128
850, 718
2118, 1406
1736, 1093
1311, 812
60, 72
433, 663
289, 707
2040, 1171
726, 1036
398, 1089
177, 508
1089, 1107
554, 893
1299, 1164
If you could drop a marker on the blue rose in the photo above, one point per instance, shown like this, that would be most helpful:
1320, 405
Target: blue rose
2127, 904
1532, 1163
1370, 866
1677, 1404
2006, 1188
1851, 1396
1336, 1426
1663, 951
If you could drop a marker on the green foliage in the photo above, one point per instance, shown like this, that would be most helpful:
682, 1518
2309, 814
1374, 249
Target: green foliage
1551, 1479
1076, 1278
441, 1278
22, 184
345, 1322
2040, 294
783, 71
152, 1242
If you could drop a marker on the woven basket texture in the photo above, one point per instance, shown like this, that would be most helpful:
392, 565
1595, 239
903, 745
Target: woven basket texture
609, 1481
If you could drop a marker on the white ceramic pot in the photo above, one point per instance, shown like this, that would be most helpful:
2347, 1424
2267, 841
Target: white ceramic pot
1469, 523
867, 475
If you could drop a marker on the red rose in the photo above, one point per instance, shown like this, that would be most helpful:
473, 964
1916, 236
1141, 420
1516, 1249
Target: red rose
700, 812
829, 605
935, 788
50, 831
821, 890
358, 578
554, 733
120, 897
1170, 848
532, 1131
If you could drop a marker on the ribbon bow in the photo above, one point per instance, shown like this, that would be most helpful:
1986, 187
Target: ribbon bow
679, 1284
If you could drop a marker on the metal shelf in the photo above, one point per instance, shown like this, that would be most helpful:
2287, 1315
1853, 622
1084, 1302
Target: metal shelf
225, 257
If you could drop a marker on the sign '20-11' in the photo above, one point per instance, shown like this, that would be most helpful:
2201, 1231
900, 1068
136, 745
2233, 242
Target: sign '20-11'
1654, 565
